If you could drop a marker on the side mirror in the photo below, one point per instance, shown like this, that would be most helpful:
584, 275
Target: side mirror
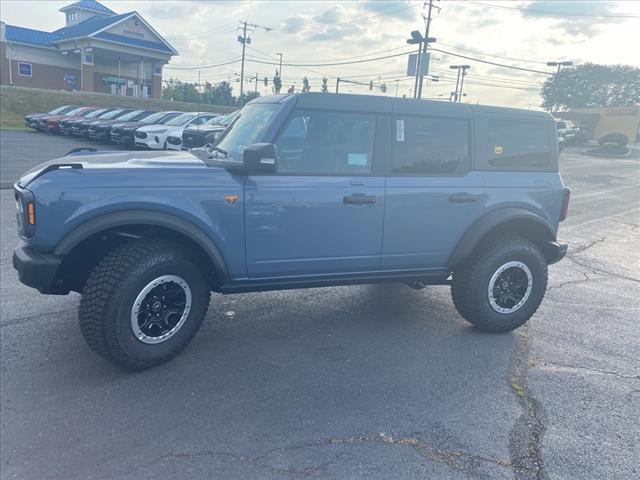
260, 158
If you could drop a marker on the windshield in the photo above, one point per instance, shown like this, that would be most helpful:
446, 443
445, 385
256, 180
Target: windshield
111, 114
97, 113
75, 111
561, 125
153, 118
131, 115
251, 122
227, 119
63, 109
181, 120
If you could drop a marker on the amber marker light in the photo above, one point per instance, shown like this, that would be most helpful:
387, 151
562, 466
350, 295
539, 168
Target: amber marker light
31, 210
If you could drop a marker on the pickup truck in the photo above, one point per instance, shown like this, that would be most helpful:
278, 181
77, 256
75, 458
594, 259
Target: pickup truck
305, 190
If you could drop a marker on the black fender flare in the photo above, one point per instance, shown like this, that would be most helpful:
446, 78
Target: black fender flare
146, 218
481, 227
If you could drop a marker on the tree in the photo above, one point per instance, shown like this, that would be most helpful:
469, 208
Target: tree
592, 85
277, 82
305, 85
248, 96
222, 94
324, 88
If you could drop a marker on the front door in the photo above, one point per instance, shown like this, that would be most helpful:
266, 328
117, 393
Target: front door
432, 196
322, 213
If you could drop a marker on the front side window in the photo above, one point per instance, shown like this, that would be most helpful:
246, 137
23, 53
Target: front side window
430, 146
331, 143
517, 144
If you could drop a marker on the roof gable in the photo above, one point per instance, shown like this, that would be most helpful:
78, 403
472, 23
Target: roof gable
90, 5
88, 27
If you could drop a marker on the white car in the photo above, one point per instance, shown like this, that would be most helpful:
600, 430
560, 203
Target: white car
155, 136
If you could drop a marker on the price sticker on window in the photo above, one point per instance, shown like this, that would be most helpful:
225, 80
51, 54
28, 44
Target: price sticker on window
497, 149
399, 130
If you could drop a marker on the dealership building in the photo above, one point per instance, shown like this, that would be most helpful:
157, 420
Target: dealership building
98, 50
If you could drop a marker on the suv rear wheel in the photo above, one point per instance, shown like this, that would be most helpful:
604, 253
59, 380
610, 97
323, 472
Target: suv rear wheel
143, 303
502, 285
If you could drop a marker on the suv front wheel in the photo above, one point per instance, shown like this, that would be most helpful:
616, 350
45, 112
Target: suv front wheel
143, 303
501, 286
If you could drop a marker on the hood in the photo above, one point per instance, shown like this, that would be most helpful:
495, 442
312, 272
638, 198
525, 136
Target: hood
113, 160
128, 125
205, 129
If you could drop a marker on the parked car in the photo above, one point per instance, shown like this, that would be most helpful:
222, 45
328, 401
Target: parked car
65, 125
122, 133
33, 119
51, 123
305, 190
155, 137
567, 130
81, 128
207, 133
101, 130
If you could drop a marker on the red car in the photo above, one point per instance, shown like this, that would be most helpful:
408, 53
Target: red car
50, 123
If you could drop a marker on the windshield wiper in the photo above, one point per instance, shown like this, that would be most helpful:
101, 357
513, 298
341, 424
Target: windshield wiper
222, 151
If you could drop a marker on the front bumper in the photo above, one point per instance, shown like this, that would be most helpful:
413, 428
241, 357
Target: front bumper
554, 252
99, 135
123, 139
38, 270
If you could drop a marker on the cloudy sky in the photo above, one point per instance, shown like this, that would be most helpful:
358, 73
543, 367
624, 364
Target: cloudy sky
518, 33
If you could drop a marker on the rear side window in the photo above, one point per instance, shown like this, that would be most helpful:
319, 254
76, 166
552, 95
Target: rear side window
327, 143
515, 145
430, 146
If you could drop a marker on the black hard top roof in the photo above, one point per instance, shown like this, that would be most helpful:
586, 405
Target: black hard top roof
378, 103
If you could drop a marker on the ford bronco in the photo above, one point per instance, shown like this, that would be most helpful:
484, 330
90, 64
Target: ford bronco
302, 190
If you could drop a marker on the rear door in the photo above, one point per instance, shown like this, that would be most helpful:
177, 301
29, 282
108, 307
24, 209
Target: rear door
433, 196
322, 213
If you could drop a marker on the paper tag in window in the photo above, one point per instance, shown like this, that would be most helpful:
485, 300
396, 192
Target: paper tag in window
497, 149
399, 130
357, 159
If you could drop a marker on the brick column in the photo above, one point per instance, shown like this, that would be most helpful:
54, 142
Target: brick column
87, 64
156, 80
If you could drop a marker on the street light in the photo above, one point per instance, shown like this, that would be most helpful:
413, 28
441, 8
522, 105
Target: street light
457, 95
559, 65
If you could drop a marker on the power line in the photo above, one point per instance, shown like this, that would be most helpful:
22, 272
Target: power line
202, 67
477, 52
492, 63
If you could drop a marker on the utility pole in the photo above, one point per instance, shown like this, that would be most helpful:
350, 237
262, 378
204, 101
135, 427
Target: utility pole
455, 94
255, 92
337, 84
243, 40
425, 43
397, 82
464, 72
280, 70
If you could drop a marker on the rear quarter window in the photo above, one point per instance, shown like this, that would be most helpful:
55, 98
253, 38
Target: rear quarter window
517, 145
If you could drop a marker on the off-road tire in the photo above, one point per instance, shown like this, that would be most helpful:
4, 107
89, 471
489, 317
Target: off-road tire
112, 288
469, 289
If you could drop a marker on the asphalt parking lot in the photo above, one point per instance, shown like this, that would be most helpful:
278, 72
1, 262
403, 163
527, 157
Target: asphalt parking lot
351, 382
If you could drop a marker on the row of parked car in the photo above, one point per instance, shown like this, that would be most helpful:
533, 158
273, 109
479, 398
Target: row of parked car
146, 129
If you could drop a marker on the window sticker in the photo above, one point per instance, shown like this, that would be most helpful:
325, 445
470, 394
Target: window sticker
498, 149
399, 130
357, 159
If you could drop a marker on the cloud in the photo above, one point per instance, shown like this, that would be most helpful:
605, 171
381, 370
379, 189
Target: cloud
566, 8
391, 9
